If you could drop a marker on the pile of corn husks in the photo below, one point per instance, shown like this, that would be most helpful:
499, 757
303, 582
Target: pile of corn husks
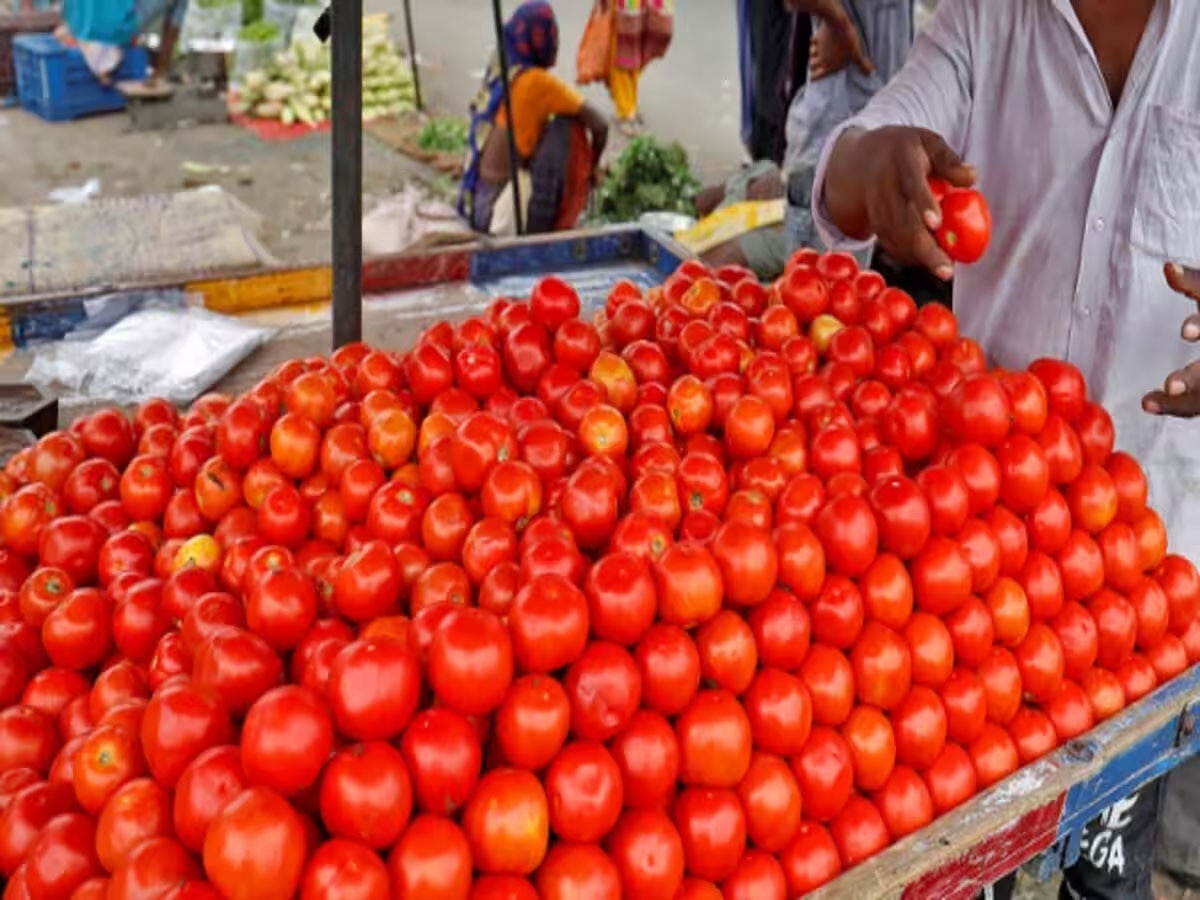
296, 86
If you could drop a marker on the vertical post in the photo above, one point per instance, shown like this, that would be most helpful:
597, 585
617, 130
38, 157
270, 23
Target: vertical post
347, 171
514, 161
412, 54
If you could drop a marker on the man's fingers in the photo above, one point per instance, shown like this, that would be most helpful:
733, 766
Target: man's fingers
914, 185
1180, 395
1183, 281
944, 162
1191, 328
906, 236
1160, 403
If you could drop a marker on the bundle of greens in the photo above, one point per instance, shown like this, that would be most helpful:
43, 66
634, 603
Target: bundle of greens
647, 177
259, 33
444, 135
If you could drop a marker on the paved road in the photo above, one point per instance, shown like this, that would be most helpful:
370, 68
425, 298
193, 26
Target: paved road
691, 96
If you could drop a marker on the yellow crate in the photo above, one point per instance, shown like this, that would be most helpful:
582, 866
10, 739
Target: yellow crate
291, 287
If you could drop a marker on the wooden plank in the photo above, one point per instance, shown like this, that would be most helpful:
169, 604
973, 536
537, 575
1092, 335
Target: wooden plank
963, 839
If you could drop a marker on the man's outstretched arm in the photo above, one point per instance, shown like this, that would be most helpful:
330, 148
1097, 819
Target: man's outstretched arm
871, 181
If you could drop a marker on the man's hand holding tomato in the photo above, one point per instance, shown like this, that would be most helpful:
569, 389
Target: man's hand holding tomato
877, 184
1180, 395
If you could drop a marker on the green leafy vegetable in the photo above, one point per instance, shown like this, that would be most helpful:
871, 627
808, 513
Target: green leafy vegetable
259, 33
647, 177
444, 135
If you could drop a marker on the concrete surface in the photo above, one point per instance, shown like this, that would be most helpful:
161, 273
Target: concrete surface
288, 183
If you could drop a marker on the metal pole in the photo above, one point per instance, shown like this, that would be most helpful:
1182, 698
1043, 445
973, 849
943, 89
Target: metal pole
514, 161
347, 171
412, 54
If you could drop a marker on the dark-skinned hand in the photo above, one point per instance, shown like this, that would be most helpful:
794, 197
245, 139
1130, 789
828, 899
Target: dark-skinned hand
1180, 394
878, 184
842, 38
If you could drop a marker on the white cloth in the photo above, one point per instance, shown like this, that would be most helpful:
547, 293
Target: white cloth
102, 59
1088, 203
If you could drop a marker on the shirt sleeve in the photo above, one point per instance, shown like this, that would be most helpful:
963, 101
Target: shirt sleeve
933, 90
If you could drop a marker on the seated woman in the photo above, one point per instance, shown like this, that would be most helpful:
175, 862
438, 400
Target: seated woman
103, 28
559, 138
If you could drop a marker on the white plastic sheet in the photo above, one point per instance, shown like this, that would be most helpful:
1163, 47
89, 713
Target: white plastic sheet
173, 353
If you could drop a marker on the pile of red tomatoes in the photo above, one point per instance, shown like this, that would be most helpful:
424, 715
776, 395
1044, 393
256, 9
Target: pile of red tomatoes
717, 595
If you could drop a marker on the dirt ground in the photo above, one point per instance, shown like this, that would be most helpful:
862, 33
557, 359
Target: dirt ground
286, 182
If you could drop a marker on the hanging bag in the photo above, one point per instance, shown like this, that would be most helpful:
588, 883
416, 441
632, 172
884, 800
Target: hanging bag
591, 62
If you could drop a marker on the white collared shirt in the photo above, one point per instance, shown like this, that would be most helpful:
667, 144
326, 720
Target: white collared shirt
1087, 202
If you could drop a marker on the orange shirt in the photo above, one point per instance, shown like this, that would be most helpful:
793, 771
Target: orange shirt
537, 96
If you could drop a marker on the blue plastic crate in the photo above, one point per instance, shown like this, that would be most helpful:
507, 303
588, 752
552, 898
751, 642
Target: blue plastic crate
54, 81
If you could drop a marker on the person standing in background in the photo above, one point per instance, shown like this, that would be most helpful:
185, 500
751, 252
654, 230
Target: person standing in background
642, 31
856, 47
773, 46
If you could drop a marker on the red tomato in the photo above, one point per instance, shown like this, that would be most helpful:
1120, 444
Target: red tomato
648, 852
432, 859
256, 847
712, 825
728, 655
548, 624
904, 802
506, 822
532, 722
340, 869
366, 795
994, 755
584, 790
715, 738
181, 721
139, 810
470, 662
1041, 661
824, 771
951, 779
374, 687
1070, 712
689, 585
849, 534
811, 860
286, 738
872, 744
576, 870
882, 666
780, 712
919, 723
62, 858
207, 785
859, 831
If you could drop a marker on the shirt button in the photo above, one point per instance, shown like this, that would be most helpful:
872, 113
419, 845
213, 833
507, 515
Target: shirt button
1100, 224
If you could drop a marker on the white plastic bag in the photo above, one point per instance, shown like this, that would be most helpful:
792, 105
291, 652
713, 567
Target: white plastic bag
212, 29
255, 55
173, 353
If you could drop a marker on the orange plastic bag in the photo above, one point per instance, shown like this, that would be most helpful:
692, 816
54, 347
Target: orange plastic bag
591, 63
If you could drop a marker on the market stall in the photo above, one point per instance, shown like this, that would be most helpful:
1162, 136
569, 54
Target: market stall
604, 570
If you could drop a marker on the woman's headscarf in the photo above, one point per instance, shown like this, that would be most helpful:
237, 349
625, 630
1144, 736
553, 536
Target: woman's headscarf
530, 41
